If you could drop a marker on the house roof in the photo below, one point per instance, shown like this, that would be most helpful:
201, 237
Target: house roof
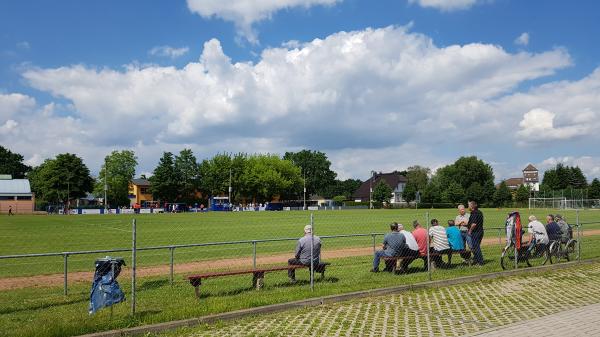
15, 187
514, 181
530, 168
392, 179
140, 182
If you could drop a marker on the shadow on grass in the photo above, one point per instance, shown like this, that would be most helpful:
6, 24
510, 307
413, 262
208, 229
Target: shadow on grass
42, 306
155, 284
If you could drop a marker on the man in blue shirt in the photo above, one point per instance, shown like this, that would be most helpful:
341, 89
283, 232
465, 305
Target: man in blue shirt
455, 239
393, 245
552, 228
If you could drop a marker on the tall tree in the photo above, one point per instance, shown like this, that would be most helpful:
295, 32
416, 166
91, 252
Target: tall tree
594, 192
61, 179
214, 174
187, 171
522, 195
577, 178
344, 188
315, 167
266, 176
417, 177
12, 163
115, 174
472, 174
454, 194
382, 193
165, 182
502, 196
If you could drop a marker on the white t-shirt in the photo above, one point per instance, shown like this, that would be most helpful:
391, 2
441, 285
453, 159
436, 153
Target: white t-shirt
440, 239
462, 218
410, 240
539, 231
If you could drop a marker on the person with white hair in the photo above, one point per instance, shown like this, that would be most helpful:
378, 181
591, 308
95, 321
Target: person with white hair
303, 252
537, 233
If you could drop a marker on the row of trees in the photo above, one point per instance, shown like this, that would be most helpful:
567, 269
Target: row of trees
260, 177
181, 178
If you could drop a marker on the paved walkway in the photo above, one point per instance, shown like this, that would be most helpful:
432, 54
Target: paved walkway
584, 321
571, 294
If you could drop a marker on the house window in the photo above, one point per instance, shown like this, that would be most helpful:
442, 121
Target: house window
145, 190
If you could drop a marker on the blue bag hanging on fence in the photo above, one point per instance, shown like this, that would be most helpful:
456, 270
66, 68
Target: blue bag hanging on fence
105, 288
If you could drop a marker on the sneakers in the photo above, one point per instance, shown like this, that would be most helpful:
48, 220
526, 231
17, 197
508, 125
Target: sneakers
293, 281
374, 270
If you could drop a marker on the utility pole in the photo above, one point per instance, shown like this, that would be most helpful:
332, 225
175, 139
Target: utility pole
371, 191
304, 190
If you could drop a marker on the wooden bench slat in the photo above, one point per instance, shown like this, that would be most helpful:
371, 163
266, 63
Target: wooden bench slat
248, 271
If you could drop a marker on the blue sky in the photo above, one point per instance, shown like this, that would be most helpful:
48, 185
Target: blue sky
377, 85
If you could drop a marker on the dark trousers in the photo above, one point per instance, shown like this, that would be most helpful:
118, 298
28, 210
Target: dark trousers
413, 255
437, 259
295, 262
476, 238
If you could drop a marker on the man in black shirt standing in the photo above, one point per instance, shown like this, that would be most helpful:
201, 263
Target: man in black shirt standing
475, 232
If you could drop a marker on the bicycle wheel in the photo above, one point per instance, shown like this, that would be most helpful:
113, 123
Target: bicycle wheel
553, 254
507, 259
545, 255
572, 249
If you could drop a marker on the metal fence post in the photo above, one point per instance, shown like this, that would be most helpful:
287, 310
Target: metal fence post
428, 248
133, 265
578, 235
312, 239
254, 254
373, 235
66, 271
172, 263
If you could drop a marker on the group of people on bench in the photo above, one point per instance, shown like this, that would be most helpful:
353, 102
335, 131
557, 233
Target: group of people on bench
411, 246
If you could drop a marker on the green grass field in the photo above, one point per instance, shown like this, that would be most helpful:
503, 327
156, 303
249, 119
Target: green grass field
44, 311
47, 234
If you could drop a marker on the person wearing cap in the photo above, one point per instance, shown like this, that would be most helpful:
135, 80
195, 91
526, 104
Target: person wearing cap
566, 233
393, 245
303, 252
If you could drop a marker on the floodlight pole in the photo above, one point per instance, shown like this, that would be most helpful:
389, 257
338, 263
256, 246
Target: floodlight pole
229, 186
105, 184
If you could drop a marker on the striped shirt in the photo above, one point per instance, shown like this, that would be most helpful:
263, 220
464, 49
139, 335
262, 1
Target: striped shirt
440, 239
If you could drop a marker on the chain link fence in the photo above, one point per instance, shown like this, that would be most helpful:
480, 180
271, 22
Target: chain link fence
234, 253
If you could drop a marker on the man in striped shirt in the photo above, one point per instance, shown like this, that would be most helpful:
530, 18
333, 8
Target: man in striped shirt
440, 243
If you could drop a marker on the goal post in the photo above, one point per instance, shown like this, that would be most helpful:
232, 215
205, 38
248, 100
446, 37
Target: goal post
563, 203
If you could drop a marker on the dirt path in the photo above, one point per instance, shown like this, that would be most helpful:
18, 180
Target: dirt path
189, 267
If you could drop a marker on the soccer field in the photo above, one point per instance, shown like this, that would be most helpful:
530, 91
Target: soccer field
49, 313
49, 234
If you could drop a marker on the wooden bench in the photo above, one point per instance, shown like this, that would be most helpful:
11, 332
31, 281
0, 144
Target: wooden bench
397, 260
258, 275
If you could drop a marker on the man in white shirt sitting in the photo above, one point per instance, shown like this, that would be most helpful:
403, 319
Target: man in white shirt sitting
440, 243
538, 237
411, 249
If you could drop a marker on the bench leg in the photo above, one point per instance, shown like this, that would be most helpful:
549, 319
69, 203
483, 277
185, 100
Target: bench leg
258, 280
323, 274
197, 291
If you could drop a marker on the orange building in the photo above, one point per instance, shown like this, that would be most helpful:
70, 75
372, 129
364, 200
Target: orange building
15, 194
139, 192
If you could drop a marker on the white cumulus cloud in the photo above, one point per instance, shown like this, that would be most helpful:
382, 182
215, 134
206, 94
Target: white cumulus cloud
523, 39
370, 95
446, 5
244, 13
168, 51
